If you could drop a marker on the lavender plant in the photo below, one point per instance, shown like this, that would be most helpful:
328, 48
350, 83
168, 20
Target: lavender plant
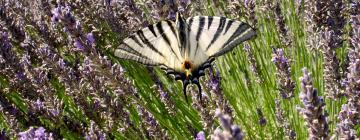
349, 114
32, 133
286, 85
228, 131
283, 122
59, 78
281, 26
313, 110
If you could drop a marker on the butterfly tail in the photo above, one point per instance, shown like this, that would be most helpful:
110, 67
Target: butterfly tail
185, 84
199, 94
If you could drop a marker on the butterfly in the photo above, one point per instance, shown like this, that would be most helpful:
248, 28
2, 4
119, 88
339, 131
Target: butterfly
185, 48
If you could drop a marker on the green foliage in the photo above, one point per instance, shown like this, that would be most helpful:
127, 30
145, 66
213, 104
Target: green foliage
245, 90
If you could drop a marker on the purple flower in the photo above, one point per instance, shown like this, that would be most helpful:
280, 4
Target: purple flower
214, 83
79, 45
56, 13
20, 75
40, 132
65, 16
229, 131
200, 136
281, 26
279, 57
5, 35
107, 2
224, 120
90, 38
253, 62
236, 132
250, 11
24, 135
25, 61
165, 98
61, 63
183, 7
5, 44
152, 126
313, 110
185, 2
94, 132
3, 134
77, 25
33, 133
283, 72
283, 122
163, 94
39, 104
262, 121
54, 112
171, 15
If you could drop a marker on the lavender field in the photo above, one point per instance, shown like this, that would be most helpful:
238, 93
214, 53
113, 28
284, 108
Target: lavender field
298, 79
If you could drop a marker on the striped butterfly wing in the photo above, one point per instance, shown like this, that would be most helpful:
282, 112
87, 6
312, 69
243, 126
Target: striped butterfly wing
185, 45
154, 45
217, 35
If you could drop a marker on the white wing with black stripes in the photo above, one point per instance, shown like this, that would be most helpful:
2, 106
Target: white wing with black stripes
154, 45
218, 35
185, 47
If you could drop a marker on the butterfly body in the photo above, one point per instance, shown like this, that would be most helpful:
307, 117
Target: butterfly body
185, 48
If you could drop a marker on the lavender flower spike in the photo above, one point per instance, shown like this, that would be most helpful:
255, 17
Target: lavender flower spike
349, 114
283, 69
33, 133
262, 120
90, 38
283, 122
281, 26
200, 136
228, 132
313, 109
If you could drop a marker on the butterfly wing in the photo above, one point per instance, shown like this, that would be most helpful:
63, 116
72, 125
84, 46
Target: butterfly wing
217, 35
199, 40
154, 45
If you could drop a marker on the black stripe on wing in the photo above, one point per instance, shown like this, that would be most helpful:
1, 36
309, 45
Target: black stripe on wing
243, 32
200, 28
197, 48
128, 49
228, 25
210, 20
183, 36
199, 32
165, 37
140, 33
172, 28
152, 30
218, 32
129, 54
149, 43
136, 40
240, 30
